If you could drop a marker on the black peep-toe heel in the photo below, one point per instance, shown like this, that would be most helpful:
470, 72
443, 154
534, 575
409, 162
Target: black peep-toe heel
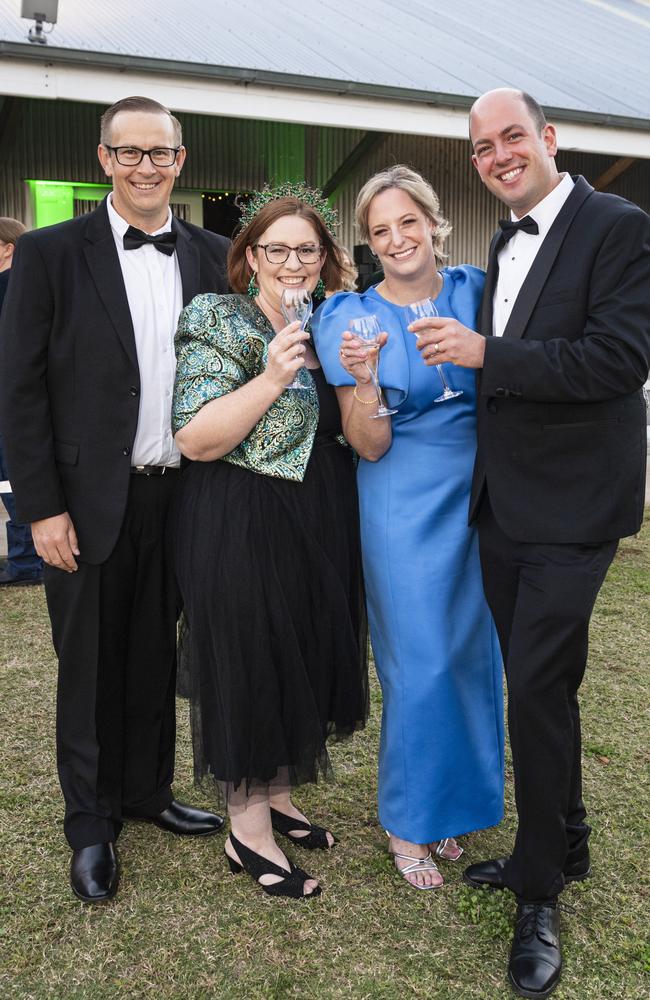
293, 881
315, 839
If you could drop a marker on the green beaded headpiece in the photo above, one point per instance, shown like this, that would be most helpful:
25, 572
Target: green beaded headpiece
291, 189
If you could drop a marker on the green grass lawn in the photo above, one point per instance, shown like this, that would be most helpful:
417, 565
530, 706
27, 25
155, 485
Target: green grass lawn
182, 926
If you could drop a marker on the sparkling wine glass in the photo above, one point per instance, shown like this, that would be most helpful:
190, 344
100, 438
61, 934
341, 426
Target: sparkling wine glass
367, 328
296, 306
420, 310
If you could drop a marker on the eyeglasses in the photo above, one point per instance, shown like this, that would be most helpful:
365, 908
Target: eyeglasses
278, 253
130, 156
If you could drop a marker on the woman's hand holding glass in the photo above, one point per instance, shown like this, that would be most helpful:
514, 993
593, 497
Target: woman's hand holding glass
296, 305
359, 355
286, 355
353, 355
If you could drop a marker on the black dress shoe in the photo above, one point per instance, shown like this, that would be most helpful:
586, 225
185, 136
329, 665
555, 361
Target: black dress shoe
535, 958
94, 874
490, 873
182, 819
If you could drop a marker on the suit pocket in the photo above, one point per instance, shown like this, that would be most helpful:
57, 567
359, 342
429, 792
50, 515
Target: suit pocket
66, 453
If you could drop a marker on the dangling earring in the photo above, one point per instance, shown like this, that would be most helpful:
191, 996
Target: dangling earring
319, 291
253, 291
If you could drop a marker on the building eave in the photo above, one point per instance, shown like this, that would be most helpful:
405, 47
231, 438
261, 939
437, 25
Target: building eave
46, 55
188, 88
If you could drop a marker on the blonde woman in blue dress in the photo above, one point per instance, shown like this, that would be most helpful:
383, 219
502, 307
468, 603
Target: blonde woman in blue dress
437, 656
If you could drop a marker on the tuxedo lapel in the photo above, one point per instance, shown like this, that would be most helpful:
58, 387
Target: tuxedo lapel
104, 266
189, 261
541, 266
485, 313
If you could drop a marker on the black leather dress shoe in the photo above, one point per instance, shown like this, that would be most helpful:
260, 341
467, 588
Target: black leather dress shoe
182, 819
535, 958
94, 874
490, 873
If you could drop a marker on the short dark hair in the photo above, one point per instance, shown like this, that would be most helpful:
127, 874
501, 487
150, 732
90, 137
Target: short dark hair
145, 104
535, 110
239, 270
10, 229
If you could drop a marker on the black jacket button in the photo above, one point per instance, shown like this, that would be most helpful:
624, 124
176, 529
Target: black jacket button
126, 451
133, 390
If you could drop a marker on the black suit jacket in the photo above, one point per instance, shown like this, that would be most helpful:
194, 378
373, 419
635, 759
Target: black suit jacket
561, 417
69, 377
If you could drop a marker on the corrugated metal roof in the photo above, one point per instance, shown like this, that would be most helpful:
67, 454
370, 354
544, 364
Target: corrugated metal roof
583, 56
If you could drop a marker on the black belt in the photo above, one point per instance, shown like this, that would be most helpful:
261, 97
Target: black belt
152, 470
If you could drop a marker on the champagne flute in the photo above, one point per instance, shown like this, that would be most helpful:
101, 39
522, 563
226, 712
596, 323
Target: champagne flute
367, 328
296, 306
420, 310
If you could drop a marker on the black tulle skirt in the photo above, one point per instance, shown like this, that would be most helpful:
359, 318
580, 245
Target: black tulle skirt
273, 645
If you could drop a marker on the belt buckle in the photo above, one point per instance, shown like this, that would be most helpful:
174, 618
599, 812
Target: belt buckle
150, 470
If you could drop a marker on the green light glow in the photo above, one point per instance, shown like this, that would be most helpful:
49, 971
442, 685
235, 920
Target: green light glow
53, 201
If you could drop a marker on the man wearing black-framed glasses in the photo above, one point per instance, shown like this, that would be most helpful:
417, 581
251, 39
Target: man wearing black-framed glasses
87, 377
132, 156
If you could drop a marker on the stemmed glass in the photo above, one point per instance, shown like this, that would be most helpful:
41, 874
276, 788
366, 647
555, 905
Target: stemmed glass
367, 328
420, 310
296, 306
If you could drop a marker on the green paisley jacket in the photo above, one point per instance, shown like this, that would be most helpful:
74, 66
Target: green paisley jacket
221, 343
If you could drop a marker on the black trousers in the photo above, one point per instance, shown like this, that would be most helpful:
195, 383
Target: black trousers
541, 597
114, 632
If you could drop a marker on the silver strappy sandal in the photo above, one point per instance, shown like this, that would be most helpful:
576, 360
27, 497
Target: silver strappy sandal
454, 850
416, 865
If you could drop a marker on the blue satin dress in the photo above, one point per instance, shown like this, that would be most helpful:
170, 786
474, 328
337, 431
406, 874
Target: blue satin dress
435, 646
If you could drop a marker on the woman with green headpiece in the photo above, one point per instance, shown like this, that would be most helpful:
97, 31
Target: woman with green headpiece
267, 539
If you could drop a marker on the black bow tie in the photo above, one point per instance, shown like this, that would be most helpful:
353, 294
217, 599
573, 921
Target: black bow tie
134, 238
509, 228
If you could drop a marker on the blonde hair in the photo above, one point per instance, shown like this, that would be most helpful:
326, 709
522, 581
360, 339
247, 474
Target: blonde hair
418, 189
348, 276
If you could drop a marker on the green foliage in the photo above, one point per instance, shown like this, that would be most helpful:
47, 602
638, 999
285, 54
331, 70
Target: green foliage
491, 912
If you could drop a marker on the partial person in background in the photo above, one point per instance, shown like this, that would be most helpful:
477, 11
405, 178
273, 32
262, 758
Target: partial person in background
436, 650
562, 355
349, 275
86, 379
23, 566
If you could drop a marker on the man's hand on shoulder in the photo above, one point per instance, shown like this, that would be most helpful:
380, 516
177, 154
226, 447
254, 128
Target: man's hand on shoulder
55, 540
441, 338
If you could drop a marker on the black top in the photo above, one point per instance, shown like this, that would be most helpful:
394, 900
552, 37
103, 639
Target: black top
329, 415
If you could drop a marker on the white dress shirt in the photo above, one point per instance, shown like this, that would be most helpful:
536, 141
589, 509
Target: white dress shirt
155, 295
517, 256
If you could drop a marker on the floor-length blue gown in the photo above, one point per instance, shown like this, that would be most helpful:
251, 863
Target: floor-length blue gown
435, 646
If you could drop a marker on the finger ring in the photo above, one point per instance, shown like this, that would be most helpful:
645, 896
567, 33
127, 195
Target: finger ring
436, 348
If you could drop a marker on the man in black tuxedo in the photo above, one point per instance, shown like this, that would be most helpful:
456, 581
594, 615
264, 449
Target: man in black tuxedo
562, 355
87, 372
